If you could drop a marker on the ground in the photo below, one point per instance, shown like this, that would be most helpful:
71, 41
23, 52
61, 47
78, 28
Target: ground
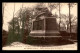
21, 46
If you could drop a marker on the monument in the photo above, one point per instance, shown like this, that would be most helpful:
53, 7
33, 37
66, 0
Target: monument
45, 25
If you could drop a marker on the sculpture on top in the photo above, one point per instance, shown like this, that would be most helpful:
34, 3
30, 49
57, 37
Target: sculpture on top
43, 11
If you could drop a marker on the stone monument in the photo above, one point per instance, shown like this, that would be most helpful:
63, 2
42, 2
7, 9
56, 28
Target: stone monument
45, 25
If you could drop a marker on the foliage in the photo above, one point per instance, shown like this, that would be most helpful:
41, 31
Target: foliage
21, 26
53, 6
65, 20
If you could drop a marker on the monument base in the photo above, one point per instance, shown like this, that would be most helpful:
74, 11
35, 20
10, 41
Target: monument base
49, 41
45, 28
41, 33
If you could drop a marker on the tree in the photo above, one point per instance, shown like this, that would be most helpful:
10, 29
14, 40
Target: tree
52, 6
23, 22
13, 37
65, 20
70, 5
13, 18
59, 17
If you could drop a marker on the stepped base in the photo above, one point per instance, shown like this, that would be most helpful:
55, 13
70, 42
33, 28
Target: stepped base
39, 33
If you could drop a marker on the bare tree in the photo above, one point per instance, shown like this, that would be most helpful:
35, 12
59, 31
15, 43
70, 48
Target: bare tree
65, 20
13, 18
70, 5
53, 6
59, 17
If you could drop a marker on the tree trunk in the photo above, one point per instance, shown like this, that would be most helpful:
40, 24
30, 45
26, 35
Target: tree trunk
59, 17
13, 18
69, 20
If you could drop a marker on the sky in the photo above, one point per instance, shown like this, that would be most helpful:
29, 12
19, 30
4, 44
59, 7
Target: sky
9, 8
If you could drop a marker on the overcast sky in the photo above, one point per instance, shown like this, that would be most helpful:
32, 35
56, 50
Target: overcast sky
9, 8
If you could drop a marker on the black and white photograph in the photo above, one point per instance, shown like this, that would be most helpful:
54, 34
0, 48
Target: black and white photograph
39, 26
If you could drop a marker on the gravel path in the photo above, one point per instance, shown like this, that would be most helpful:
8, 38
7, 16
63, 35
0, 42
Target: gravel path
21, 46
